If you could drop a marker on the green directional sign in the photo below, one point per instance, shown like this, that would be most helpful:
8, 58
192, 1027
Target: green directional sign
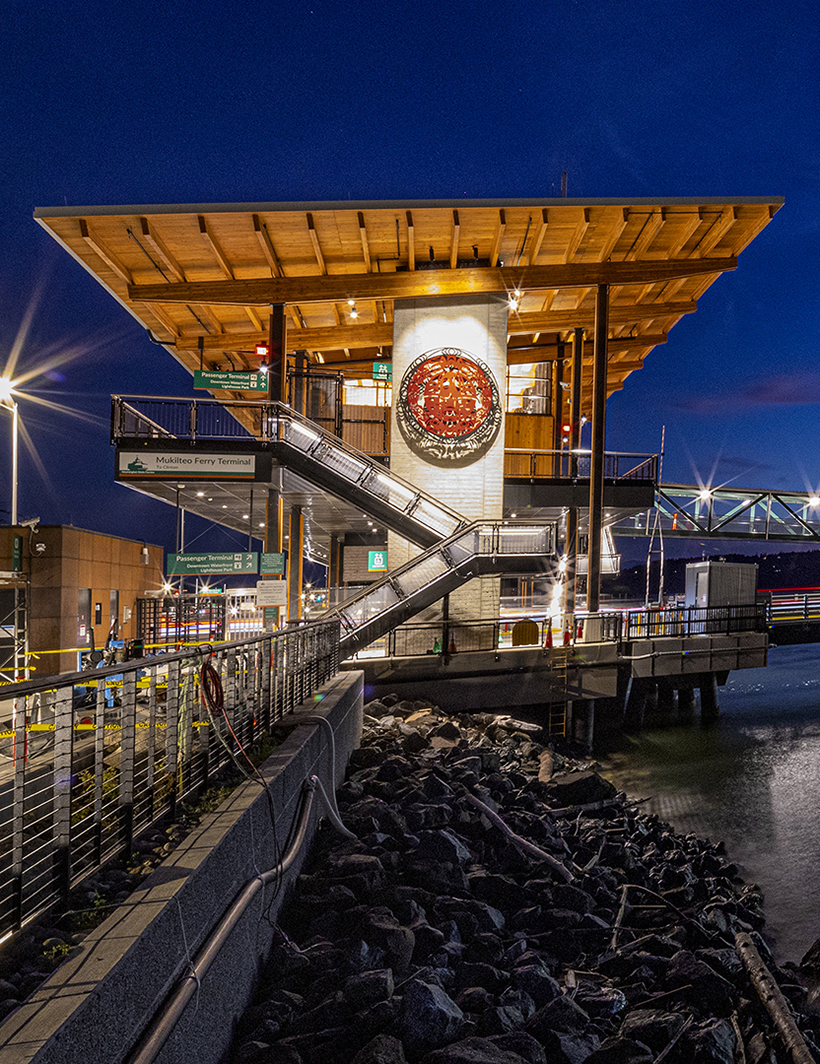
272, 565
212, 564
382, 371
377, 561
235, 382
17, 554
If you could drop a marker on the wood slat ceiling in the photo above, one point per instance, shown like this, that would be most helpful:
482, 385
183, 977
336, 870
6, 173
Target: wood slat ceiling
209, 273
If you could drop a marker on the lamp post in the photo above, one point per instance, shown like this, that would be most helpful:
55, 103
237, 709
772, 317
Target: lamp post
6, 392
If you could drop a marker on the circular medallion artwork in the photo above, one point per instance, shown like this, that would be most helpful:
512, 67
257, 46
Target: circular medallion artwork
448, 403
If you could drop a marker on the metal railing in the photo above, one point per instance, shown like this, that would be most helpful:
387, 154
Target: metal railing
694, 620
526, 464
301, 445
89, 759
483, 548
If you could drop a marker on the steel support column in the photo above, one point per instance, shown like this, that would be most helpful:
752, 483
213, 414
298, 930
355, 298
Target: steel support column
571, 548
596, 477
277, 354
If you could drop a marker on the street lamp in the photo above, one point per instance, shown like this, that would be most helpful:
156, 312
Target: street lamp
6, 393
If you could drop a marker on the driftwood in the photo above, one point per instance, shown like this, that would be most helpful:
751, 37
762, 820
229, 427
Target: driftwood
523, 845
667, 1049
621, 911
770, 994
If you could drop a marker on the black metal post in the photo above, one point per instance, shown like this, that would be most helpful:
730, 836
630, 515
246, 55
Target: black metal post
277, 354
596, 473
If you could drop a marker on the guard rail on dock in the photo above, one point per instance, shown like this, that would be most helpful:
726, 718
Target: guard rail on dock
90, 759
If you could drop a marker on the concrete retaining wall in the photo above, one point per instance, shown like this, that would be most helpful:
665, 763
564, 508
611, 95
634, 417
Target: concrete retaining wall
95, 1006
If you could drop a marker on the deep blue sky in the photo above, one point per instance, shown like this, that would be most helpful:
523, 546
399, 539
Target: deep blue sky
199, 102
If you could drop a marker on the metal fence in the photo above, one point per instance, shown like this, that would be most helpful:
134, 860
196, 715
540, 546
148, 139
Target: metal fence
89, 759
694, 620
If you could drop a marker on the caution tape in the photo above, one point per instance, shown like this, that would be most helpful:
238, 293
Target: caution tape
93, 727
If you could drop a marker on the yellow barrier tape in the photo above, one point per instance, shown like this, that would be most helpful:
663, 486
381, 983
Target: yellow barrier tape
92, 727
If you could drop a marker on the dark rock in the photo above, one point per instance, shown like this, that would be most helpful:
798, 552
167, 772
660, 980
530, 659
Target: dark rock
711, 1042
561, 1014
383, 1049
443, 845
369, 987
478, 1051
600, 1000
536, 980
383, 930
653, 1027
620, 1051
565, 896
481, 975
708, 990
474, 999
500, 1020
579, 788
521, 1043
429, 1018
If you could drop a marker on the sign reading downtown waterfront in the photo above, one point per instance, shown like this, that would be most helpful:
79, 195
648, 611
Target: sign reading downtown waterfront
227, 381
212, 564
188, 464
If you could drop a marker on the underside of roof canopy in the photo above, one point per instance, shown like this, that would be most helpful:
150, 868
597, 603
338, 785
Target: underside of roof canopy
202, 277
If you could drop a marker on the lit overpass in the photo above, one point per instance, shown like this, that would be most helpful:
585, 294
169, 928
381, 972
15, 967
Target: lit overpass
689, 511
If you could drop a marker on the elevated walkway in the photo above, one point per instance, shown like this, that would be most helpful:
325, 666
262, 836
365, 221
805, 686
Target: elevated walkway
696, 512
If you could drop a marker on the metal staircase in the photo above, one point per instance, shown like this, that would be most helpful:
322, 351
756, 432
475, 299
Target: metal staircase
483, 548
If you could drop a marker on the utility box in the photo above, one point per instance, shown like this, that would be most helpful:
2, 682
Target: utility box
721, 583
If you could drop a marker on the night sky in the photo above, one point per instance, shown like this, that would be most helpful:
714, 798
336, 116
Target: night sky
186, 102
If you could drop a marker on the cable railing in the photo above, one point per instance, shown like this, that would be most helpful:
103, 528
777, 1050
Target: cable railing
90, 759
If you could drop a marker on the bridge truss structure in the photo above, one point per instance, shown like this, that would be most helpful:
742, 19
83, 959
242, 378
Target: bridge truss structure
689, 511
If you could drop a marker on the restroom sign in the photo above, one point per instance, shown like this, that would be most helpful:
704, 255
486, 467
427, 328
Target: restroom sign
377, 561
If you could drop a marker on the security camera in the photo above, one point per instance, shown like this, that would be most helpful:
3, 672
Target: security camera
31, 523
39, 547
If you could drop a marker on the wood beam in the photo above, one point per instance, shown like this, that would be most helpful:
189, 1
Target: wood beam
213, 243
615, 231
102, 251
716, 231
155, 242
578, 235
314, 239
499, 236
538, 237
688, 224
339, 288
203, 311
162, 316
649, 229
454, 241
365, 244
263, 236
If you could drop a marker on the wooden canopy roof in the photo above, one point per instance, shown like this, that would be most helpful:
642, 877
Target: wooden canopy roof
202, 277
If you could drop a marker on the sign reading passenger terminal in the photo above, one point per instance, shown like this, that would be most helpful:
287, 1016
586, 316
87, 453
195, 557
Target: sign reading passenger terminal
188, 464
212, 564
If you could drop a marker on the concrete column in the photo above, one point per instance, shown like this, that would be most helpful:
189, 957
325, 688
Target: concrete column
596, 478
474, 483
686, 703
709, 708
295, 562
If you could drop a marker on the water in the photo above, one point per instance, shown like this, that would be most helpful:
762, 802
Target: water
752, 780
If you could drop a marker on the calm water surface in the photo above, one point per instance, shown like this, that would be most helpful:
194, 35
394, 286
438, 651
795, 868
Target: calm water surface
752, 780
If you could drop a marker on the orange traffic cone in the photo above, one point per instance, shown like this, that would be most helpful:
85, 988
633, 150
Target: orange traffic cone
548, 640
567, 636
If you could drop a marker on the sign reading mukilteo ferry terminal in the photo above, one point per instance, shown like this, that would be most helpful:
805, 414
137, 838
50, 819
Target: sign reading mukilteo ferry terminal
448, 404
